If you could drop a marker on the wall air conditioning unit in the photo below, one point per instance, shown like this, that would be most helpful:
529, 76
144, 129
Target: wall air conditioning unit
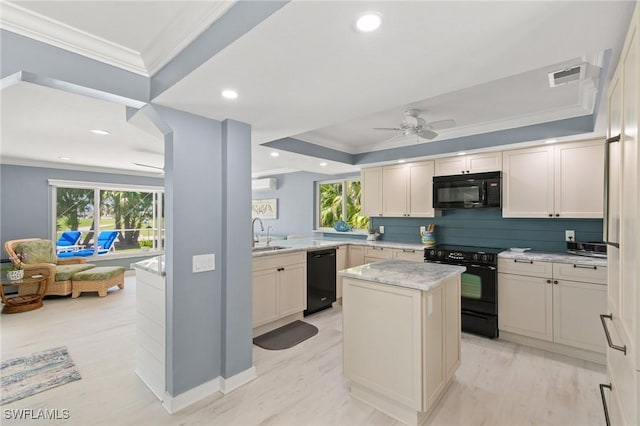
268, 184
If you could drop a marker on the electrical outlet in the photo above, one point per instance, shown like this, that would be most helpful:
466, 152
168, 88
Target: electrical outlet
204, 262
381, 229
423, 229
569, 235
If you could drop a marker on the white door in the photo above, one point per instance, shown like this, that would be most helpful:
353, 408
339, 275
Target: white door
421, 189
394, 191
484, 162
371, 191
450, 166
528, 182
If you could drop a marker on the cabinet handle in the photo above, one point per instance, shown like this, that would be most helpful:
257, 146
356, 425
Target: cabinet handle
550, 215
408, 251
280, 269
462, 171
604, 401
605, 220
522, 261
467, 171
378, 248
548, 281
557, 214
555, 281
584, 266
622, 349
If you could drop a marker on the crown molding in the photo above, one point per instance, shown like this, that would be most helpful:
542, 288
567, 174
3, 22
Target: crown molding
41, 28
181, 32
25, 162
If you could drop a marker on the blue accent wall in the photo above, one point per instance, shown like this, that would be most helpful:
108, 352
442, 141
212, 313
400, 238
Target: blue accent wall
487, 228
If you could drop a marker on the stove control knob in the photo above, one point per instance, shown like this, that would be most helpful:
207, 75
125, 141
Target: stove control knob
432, 253
439, 253
475, 256
484, 258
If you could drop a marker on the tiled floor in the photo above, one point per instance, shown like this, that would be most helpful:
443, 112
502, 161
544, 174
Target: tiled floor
499, 383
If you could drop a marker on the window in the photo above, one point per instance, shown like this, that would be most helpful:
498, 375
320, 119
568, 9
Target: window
136, 213
340, 200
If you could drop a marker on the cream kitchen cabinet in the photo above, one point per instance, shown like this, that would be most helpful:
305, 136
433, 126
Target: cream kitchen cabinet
279, 290
407, 190
622, 224
376, 254
465, 164
564, 180
553, 302
416, 255
342, 259
371, 191
356, 256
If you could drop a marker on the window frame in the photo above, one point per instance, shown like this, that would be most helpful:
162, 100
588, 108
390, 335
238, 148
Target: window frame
157, 194
344, 182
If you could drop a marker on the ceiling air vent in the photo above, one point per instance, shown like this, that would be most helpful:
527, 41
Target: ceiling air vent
567, 75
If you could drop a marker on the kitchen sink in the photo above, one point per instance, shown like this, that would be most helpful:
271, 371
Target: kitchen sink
267, 248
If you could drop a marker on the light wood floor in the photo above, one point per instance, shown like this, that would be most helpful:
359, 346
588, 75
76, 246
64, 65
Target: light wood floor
499, 383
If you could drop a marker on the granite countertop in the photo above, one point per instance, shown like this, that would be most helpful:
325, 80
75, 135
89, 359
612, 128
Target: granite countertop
542, 256
404, 273
315, 244
154, 265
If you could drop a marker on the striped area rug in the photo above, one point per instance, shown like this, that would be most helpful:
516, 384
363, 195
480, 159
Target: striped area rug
38, 372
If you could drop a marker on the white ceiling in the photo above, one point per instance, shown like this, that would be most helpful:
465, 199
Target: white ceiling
306, 72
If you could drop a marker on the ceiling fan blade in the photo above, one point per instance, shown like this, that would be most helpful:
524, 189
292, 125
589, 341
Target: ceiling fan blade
149, 165
426, 133
441, 124
387, 128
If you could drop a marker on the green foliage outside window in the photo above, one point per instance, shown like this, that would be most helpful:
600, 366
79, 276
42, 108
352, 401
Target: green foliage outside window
335, 198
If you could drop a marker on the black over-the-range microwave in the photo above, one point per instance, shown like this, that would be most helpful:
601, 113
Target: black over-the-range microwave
478, 190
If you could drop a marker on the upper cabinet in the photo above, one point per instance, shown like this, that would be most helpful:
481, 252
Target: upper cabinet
473, 163
371, 191
564, 180
403, 190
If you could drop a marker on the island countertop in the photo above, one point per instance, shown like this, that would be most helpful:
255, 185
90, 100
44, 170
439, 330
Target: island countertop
404, 273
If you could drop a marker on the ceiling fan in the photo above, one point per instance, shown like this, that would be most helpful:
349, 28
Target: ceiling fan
413, 124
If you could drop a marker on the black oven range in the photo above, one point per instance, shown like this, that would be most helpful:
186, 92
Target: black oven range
479, 287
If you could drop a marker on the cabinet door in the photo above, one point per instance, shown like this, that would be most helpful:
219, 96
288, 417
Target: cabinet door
356, 256
576, 314
527, 189
265, 297
409, 254
452, 327
421, 189
371, 191
292, 289
394, 190
484, 162
450, 166
579, 179
525, 305
341, 263
433, 346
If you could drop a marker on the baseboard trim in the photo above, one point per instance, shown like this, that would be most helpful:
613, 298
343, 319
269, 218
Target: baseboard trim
237, 380
173, 404
558, 348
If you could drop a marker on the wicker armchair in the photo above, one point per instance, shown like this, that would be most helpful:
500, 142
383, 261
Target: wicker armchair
41, 259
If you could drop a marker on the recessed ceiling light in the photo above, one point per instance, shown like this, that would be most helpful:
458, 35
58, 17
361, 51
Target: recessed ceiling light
100, 132
275, 154
323, 164
368, 22
402, 161
551, 141
64, 158
230, 94
461, 153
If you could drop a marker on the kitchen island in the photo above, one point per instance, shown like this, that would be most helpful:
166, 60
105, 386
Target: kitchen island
401, 334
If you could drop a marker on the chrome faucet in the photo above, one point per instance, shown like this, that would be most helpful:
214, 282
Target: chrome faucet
268, 237
254, 239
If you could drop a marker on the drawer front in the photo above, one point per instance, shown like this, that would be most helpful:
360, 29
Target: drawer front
278, 260
378, 252
410, 254
525, 267
580, 272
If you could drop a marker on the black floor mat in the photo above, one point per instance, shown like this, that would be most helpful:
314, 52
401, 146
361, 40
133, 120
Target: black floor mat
286, 336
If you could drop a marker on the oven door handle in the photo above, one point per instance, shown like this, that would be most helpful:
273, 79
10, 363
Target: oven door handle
492, 268
474, 314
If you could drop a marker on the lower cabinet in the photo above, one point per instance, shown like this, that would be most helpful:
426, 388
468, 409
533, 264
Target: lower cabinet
553, 302
415, 255
376, 254
279, 289
342, 258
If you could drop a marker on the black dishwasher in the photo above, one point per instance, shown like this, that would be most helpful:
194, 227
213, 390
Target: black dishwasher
321, 280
